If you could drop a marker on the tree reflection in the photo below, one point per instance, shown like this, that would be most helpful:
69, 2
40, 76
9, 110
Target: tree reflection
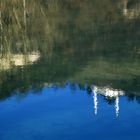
78, 41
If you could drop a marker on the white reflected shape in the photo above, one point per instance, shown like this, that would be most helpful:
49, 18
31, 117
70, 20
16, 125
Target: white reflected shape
95, 100
117, 106
125, 11
108, 93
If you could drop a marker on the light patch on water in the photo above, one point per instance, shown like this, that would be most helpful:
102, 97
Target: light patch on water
131, 13
95, 103
10, 60
117, 106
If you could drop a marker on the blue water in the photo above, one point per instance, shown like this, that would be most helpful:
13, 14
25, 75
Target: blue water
65, 113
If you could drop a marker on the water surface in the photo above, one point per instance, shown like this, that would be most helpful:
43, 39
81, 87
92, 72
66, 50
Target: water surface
69, 69
68, 113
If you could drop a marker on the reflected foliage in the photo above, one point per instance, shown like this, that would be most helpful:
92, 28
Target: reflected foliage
79, 41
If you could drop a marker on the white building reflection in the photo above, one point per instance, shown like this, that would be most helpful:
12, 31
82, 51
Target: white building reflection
108, 93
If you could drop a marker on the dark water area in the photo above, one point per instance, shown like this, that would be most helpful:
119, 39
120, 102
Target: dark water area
69, 69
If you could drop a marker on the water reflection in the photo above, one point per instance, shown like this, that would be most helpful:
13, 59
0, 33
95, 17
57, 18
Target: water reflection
117, 106
10, 60
95, 102
131, 10
109, 93
53, 23
44, 44
66, 111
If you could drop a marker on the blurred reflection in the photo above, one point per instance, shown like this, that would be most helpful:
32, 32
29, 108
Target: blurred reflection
117, 106
6, 62
84, 42
59, 48
95, 102
108, 93
131, 9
